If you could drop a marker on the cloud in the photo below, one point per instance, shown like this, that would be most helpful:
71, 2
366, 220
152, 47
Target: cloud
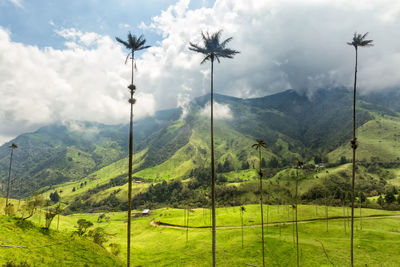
184, 101
221, 111
17, 3
287, 44
78, 126
86, 81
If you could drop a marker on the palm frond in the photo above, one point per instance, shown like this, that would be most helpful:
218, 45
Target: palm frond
14, 145
224, 43
260, 144
228, 53
131, 38
358, 40
212, 48
126, 44
143, 47
367, 43
197, 48
133, 43
208, 57
127, 57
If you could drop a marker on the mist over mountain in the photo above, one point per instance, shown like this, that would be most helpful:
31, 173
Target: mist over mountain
293, 125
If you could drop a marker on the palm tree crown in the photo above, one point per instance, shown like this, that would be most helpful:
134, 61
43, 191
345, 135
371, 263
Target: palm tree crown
260, 144
13, 145
359, 40
133, 43
299, 164
213, 48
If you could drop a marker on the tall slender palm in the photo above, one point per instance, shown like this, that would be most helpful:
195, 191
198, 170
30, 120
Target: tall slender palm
133, 44
299, 165
13, 146
213, 49
258, 146
242, 210
358, 41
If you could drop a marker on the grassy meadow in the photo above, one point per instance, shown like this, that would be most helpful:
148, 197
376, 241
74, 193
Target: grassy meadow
376, 244
23, 241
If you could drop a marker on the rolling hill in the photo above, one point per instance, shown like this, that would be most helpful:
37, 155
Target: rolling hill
24, 242
170, 145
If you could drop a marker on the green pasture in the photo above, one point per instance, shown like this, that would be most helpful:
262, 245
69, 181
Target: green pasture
375, 244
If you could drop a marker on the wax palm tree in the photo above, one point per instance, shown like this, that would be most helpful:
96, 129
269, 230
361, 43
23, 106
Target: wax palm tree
299, 165
358, 41
133, 44
213, 49
13, 146
258, 146
242, 210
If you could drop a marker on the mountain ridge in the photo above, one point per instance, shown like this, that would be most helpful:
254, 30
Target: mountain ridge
293, 126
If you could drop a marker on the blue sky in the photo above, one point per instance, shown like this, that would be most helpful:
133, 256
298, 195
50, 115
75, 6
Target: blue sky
33, 22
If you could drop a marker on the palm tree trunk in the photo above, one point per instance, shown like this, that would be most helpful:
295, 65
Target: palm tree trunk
187, 225
297, 230
261, 207
360, 213
130, 175
344, 218
8, 180
327, 215
132, 66
241, 215
293, 226
267, 216
354, 162
213, 167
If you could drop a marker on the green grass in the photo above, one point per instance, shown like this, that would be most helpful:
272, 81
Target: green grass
229, 144
396, 174
48, 248
174, 127
230, 216
102, 176
244, 175
376, 244
377, 138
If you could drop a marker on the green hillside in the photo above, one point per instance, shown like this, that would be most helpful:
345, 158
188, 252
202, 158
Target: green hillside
153, 245
88, 164
23, 241
378, 138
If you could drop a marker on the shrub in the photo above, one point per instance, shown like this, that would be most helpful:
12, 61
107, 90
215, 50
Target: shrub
115, 249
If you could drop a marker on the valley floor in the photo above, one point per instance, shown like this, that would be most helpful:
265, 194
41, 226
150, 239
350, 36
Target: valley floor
322, 242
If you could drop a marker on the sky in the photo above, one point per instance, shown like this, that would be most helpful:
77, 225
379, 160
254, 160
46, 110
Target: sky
59, 60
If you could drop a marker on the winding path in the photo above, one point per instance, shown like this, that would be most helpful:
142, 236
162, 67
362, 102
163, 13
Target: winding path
175, 226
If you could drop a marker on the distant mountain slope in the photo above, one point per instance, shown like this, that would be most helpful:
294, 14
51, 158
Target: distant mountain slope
61, 152
379, 139
171, 146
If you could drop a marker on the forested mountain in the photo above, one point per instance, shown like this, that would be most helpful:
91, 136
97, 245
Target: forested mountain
170, 145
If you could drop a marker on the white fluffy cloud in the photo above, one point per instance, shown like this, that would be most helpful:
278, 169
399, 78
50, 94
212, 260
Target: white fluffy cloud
221, 111
86, 81
286, 44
